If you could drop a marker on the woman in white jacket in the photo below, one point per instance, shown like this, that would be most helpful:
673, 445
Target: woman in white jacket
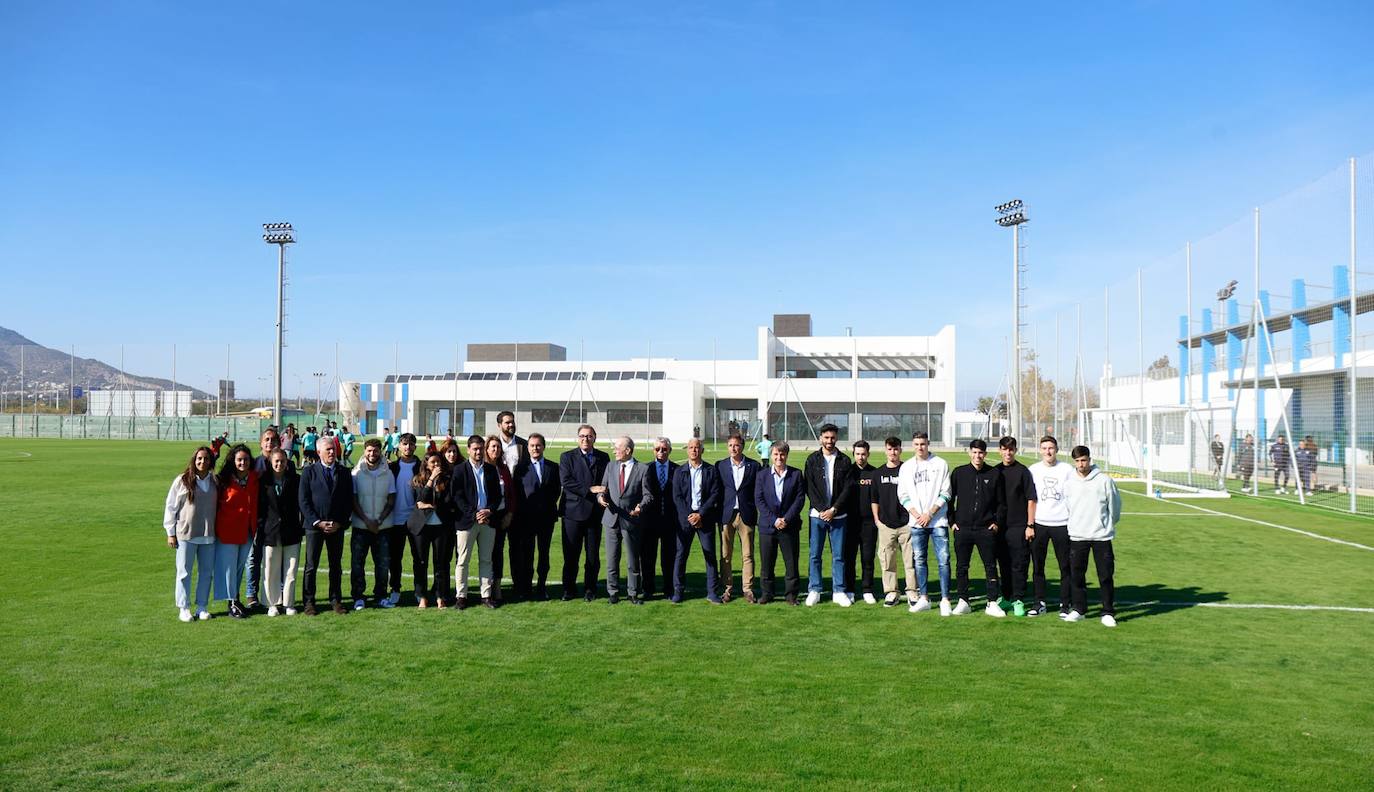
1094, 510
189, 520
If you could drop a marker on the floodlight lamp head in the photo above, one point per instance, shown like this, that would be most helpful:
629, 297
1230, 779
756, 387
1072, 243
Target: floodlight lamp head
1225, 292
1009, 206
1014, 219
278, 233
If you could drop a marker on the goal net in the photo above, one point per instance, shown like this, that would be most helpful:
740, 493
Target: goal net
1176, 451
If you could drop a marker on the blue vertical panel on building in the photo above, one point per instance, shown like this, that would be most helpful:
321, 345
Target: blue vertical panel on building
365, 392
1233, 350
1209, 352
1340, 315
1183, 360
405, 401
1339, 432
1302, 335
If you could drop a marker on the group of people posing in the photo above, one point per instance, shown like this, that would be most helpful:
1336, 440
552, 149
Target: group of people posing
501, 493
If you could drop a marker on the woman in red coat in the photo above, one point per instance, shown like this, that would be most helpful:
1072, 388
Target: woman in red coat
236, 520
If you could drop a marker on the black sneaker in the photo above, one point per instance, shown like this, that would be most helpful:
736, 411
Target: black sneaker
614, 599
1036, 609
236, 610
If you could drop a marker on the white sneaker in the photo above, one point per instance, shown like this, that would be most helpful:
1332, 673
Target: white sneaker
921, 604
395, 598
272, 611
813, 598
1073, 616
385, 602
1108, 620
184, 614
1278, 491
993, 609
890, 601
359, 604
962, 608
870, 599
203, 615
945, 609
290, 611
841, 599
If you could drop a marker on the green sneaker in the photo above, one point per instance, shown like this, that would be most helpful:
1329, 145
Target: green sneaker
1018, 608
1004, 604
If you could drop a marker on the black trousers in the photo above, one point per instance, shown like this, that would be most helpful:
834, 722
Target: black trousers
1013, 557
657, 546
1058, 537
397, 537
769, 544
378, 544
437, 542
1281, 471
865, 539
543, 538
1105, 561
581, 536
315, 540
965, 539
521, 538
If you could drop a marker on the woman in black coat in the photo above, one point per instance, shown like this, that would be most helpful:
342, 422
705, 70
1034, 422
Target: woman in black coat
279, 533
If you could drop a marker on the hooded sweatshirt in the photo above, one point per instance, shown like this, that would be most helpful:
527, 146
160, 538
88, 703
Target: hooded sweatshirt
1094, 506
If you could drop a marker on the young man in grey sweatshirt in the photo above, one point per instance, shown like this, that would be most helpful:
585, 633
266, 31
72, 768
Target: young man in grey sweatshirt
1094, 510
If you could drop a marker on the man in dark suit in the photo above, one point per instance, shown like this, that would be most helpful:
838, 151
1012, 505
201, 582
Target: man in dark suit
738, 516
624, 496
696, 491
537, 479
658, 525
778, 494
326, 500
580, 470
476, 501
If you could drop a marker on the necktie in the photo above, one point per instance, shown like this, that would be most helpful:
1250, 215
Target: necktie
539, 471
622, 478
662, 475
329, 477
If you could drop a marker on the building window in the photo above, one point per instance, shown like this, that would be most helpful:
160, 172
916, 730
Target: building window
827, 374
634, 416
879, 426
554, 415
797, 428
884, 374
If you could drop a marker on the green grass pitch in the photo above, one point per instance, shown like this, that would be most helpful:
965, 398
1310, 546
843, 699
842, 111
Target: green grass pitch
103, 688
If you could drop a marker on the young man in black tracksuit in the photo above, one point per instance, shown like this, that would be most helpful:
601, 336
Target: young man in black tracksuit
862, 533
1018, 513
975, 500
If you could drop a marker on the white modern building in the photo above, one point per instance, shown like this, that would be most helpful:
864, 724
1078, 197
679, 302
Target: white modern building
871, 387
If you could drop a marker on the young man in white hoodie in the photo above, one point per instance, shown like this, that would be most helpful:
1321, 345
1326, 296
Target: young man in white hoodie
1094, 510
923, 488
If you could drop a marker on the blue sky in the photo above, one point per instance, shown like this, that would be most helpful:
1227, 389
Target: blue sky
621, 172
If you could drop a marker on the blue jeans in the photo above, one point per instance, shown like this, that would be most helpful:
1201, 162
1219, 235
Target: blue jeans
919, 536
252, 570
189, 556
230, 560
835, 529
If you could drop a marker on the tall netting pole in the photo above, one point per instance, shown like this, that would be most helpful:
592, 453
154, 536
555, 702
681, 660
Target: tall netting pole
1354, 412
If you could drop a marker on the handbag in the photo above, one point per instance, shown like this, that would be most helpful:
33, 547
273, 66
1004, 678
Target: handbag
417, 519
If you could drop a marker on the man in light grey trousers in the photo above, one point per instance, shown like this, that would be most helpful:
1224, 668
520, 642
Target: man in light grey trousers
625, 496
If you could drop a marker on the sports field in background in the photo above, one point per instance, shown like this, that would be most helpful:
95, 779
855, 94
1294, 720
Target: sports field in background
102, 687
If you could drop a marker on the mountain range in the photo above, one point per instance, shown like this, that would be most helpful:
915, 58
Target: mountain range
46, 370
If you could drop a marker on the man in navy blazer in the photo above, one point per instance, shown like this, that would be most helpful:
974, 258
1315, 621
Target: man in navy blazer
778, 494
541, 491
738, 515
326, 501
579, 470
476, 504
697, 494
658, 531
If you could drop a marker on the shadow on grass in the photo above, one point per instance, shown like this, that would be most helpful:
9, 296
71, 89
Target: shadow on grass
1134, 602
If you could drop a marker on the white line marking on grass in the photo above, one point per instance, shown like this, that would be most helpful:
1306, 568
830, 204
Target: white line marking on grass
1253, 606
1356, 545
1161, 514
17, 455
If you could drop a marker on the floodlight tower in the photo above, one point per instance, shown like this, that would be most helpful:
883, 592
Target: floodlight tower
1012, 214
281, 235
